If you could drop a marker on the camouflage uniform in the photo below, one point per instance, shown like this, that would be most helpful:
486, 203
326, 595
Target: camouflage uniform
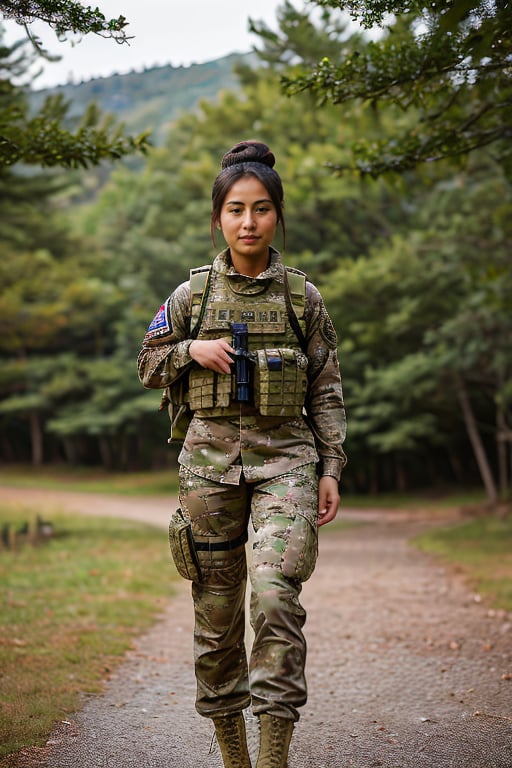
259, 462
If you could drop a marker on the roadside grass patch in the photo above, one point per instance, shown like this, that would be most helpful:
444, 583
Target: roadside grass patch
69, 610
446, 498
161, 482
482, 550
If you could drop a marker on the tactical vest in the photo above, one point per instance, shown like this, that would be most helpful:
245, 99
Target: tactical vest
274, 314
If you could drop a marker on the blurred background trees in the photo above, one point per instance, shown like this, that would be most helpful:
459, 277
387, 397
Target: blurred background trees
414, 264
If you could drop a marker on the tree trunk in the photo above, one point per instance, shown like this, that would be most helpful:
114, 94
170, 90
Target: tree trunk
503, 437
456, 466
400, 475
374, 478
36, 438
69, 449
476, 442
7, 453
106, 453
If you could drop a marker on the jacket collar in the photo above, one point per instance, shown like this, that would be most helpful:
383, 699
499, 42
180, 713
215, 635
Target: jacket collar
275, 270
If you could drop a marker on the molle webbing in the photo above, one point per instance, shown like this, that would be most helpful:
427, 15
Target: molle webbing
273, 313
294, 291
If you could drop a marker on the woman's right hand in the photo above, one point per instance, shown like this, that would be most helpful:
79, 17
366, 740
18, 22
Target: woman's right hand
213, 354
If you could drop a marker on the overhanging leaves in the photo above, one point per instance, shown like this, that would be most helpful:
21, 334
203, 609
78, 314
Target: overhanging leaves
65, 16
449, 64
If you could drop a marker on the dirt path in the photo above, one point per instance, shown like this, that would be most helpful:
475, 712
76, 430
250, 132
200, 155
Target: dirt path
406, 668
152, 509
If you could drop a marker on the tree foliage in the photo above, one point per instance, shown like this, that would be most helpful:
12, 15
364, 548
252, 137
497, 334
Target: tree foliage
426, 317
46, 139
64, 16
447, 63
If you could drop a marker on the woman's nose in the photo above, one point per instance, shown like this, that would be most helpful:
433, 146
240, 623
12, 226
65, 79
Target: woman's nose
249, 220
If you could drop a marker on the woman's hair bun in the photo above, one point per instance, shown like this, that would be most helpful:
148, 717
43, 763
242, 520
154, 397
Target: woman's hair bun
248, 152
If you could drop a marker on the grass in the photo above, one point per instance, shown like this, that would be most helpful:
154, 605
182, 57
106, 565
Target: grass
69, 610
162, 482
482, 550
418, 501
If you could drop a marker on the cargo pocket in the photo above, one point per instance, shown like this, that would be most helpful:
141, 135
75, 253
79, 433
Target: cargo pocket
182, 547
301, 552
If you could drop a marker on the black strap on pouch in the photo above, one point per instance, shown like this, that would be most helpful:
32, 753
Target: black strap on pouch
221, 546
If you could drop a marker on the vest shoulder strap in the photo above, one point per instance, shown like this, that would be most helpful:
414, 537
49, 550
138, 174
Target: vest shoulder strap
297, 285
295, 298
199, 288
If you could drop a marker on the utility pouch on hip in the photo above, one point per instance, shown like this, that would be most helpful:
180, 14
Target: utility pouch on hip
180, 417
175, 397
182, 547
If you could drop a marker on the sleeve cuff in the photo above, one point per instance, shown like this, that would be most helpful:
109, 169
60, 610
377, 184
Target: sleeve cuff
332, 467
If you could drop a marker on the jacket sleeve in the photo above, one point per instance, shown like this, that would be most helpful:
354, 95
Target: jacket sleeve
324, 403
164, 355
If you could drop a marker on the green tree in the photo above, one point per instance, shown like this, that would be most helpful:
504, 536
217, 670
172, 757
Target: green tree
64, 16
426, 326
446, 63
43, 139
50, 298
300, 41
69, 335
473, 344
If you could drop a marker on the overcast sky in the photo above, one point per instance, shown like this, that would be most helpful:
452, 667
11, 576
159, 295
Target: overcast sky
165, 32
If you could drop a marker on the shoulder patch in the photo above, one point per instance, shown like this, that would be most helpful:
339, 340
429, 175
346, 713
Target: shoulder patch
328, 330
160, 325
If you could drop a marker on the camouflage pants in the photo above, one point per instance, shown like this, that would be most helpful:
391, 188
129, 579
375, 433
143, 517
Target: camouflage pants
283, 511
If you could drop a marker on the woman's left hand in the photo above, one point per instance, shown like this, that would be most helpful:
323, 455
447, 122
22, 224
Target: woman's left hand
328, 499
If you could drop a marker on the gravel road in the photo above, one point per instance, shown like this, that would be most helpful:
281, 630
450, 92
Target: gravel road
406, 666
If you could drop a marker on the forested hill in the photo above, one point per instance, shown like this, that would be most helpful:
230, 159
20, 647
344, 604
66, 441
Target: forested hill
153, 98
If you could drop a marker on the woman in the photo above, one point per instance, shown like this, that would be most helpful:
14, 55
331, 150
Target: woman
253, 351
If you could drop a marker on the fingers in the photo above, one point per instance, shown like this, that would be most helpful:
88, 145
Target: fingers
327, 514
328, 499
223, 359
214, 354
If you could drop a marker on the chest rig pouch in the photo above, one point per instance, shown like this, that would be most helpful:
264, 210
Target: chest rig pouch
273, 315
280, 382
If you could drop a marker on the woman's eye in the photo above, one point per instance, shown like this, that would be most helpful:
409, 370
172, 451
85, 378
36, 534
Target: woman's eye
262, 209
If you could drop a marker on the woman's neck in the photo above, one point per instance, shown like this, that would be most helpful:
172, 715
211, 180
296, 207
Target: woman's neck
250, 267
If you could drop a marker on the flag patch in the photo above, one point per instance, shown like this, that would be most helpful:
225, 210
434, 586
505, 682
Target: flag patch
160, 325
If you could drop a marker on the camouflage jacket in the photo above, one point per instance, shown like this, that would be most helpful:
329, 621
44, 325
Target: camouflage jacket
261, 447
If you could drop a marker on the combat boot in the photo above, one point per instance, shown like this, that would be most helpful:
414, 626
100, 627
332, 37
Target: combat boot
275, 737
230, 732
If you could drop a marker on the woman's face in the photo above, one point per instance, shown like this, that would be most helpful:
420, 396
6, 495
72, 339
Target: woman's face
248, 221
